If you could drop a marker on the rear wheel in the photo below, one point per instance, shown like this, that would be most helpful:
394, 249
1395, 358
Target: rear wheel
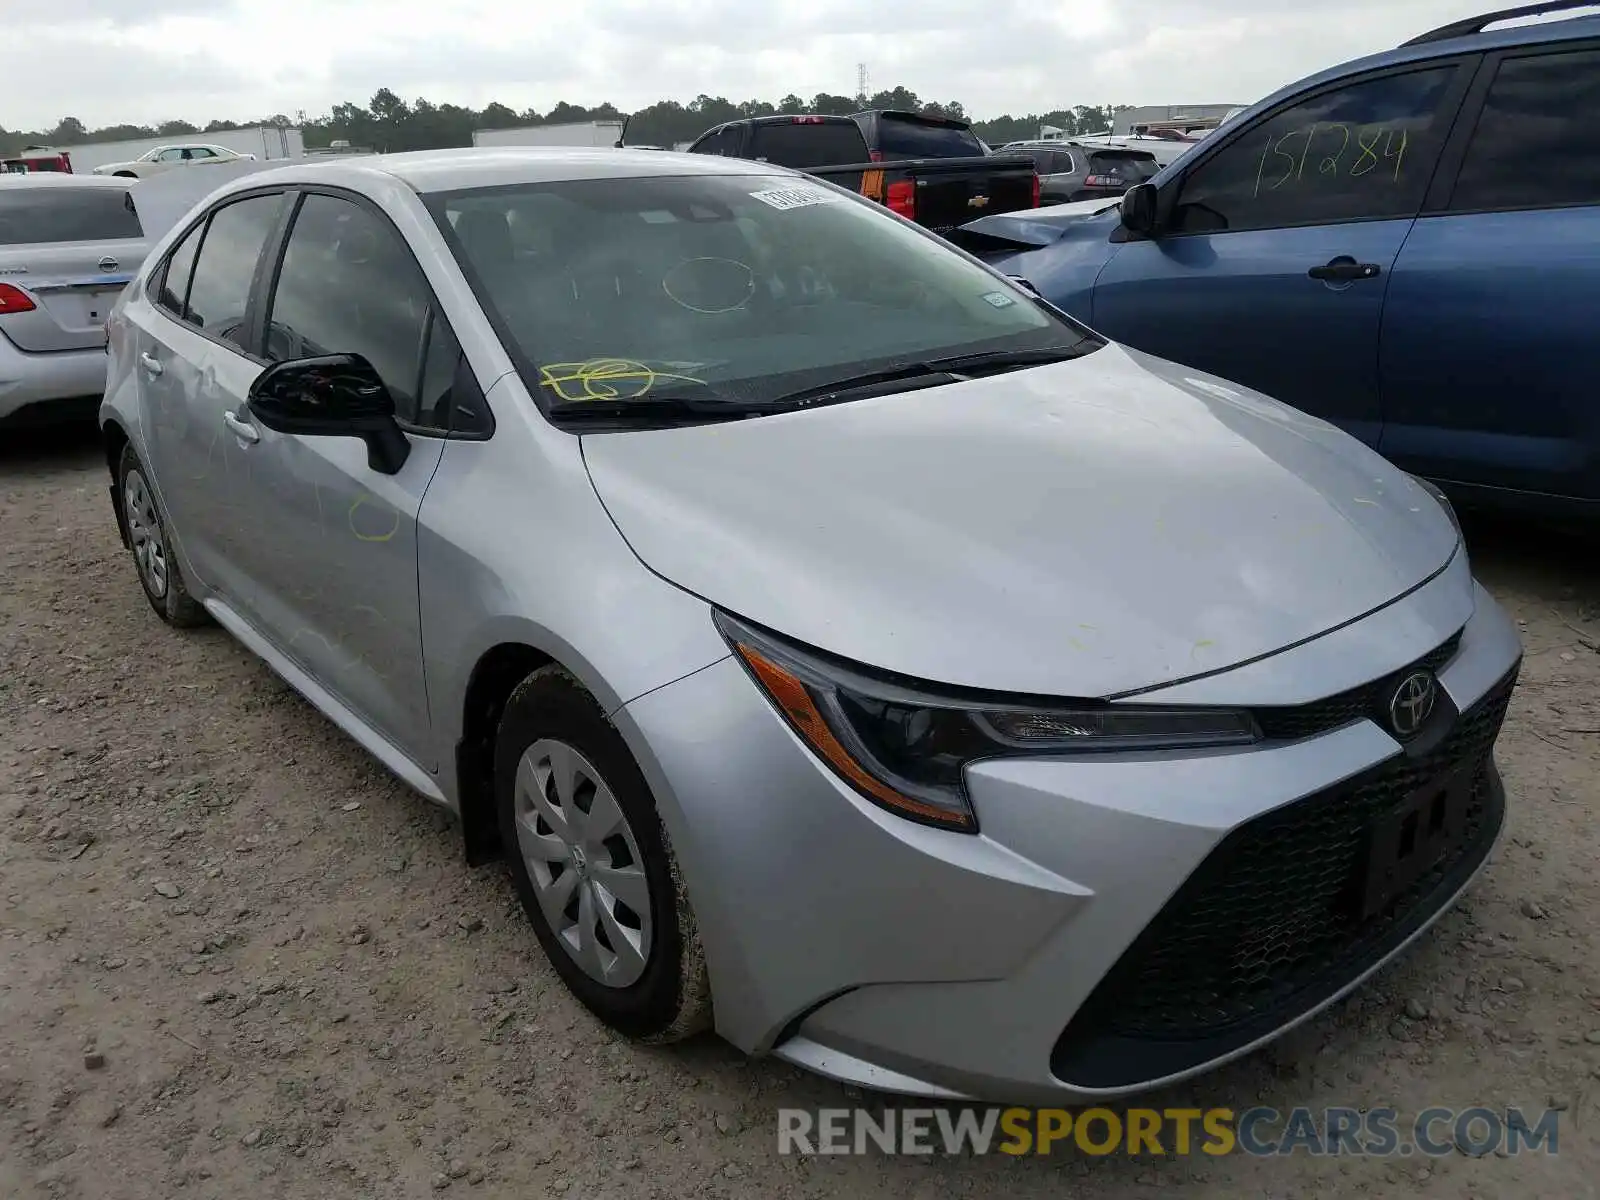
152, 551
593, 865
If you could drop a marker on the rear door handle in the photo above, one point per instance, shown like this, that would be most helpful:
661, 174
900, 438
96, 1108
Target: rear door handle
242, 430
150, 364
1344, 269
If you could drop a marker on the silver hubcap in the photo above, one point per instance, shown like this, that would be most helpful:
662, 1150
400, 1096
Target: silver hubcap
144, 531
584, 862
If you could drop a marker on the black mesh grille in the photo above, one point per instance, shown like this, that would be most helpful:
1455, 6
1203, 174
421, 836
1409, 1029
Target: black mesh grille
1271, 922
1368, 700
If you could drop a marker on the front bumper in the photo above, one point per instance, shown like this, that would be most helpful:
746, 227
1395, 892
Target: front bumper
43, 387
1120, 922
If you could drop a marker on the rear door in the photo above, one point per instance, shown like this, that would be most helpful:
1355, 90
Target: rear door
70, 249
1489, 357
195, 362
1277, 243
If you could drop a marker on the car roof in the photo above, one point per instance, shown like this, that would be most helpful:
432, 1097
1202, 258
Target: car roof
450, 170
1538, 33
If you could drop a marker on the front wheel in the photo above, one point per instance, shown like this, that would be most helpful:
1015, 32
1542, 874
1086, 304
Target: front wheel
123, 175
592, 864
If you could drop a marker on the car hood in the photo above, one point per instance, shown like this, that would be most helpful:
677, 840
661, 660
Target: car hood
1088, 528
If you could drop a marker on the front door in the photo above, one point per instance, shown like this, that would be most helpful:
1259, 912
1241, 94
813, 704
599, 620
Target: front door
329, 556
192, 360
1276, 249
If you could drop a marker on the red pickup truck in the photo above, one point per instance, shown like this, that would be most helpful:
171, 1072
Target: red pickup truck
31, 159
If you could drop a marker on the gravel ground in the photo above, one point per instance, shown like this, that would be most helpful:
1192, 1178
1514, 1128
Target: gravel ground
238, 959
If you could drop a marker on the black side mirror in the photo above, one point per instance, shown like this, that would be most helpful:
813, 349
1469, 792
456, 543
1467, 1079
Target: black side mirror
1139, 209
336, 395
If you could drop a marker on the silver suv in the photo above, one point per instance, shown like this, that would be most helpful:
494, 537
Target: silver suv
1069, 171
68, 245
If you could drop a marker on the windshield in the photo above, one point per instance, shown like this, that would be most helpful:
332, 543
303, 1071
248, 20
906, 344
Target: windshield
739, 289
151, 155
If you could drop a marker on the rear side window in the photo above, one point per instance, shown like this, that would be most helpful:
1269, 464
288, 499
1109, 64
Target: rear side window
1536, 144
831, 143
220, 290
1126, 165
899, 137
35, 215
180, 269
1361, 152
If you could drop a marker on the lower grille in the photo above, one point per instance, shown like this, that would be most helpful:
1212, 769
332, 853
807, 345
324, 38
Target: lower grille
1273, 921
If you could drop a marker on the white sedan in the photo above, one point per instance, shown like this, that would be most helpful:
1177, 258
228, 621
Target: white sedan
165, 158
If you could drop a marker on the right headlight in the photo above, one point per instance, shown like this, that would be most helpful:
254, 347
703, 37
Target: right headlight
906, 748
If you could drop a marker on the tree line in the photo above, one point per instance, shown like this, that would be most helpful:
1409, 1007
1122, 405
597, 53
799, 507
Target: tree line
389, 124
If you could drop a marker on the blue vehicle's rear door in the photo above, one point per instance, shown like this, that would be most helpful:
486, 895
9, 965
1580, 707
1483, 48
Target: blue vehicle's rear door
1490, 358
1277, 243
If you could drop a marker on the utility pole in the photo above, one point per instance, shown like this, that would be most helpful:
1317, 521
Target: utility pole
861, 84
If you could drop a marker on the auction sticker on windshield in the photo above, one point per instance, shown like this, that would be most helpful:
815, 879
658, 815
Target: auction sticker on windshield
799, 196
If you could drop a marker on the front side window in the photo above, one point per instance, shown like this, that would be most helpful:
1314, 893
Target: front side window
173, 155
1536, 144
1355, 153
226, 267
349, 285
735, 288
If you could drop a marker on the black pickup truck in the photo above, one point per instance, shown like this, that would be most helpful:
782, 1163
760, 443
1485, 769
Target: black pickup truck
932, 170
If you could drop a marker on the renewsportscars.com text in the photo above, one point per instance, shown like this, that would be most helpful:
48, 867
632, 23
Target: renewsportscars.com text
1170, 1132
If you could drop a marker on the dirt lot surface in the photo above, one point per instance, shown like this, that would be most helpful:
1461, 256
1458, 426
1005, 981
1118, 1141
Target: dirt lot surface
238, 959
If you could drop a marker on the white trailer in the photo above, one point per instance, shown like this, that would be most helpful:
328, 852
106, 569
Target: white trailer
578, 133
266, 142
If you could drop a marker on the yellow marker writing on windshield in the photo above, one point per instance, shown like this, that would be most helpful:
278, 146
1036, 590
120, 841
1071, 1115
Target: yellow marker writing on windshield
605, 379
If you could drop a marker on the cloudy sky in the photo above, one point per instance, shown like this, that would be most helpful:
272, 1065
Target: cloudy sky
111, 61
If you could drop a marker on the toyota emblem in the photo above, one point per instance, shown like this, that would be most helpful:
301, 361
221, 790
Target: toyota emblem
109, 264
1412, 703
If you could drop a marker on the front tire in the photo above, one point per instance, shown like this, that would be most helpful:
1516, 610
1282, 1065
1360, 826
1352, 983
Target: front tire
123, 175
152, 549
593, 866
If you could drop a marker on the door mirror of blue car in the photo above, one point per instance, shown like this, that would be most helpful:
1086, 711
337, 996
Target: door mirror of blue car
333, 395
1139, 209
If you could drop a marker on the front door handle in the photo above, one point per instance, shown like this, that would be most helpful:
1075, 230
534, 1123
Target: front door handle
1344, 269
151, 364
242, 430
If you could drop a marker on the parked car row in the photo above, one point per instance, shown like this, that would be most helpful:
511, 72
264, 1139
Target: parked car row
930, 169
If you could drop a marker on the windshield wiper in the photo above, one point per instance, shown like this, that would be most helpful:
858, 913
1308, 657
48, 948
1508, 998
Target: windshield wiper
932, 372
654, 409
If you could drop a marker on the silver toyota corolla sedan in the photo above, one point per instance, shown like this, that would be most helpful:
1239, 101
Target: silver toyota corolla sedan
844, 648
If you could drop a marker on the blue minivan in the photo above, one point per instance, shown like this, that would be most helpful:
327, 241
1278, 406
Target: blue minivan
1407, 246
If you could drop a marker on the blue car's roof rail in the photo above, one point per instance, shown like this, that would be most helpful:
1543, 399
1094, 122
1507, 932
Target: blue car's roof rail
1477, 24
